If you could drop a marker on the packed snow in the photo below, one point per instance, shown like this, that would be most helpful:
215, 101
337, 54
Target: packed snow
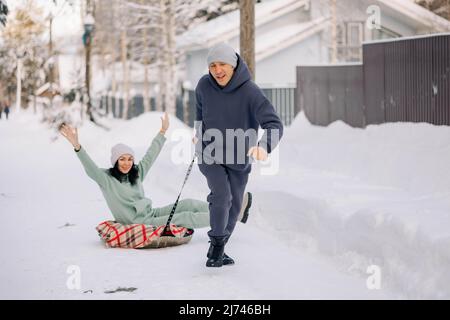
331, 203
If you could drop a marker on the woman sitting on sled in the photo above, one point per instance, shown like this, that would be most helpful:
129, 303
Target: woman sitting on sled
122, 186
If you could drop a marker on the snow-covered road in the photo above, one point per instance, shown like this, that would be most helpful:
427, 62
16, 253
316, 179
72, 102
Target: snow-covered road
341, 201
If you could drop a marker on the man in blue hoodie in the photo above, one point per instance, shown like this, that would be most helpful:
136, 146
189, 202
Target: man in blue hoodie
230, 109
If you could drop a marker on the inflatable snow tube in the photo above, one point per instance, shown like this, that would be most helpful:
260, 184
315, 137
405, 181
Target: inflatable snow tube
141, 236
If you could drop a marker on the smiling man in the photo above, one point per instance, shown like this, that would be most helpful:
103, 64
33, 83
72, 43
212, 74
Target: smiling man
228, 100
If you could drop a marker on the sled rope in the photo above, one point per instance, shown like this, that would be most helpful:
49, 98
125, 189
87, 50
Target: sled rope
167, 228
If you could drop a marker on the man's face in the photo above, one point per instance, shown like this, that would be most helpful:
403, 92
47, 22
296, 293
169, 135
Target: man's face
222, 72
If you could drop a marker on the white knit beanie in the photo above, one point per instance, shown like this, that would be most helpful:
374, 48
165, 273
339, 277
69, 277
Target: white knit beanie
222, 52
119, 150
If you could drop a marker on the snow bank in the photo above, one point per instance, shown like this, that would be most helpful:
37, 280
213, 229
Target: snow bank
379, 195
410, 156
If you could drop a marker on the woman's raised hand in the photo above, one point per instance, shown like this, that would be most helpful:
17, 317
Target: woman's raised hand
164, 123
71, 134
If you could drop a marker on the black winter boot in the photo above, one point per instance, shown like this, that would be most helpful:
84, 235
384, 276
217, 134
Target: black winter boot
227, 260
217, 247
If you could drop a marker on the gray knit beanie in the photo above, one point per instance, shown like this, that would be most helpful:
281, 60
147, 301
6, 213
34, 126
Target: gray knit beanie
222, 52
119, 150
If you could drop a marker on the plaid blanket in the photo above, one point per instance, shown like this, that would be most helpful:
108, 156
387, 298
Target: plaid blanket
138, 236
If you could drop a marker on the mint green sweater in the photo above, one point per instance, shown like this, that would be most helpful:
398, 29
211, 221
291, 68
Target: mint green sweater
127, 203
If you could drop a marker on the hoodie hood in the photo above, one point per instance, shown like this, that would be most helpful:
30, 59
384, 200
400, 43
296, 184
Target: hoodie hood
240, 76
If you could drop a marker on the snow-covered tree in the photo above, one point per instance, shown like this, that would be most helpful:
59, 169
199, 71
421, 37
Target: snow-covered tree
23, 46
439, 7
144, 31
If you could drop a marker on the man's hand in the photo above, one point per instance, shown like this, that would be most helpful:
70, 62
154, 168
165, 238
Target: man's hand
258, 153
194, 138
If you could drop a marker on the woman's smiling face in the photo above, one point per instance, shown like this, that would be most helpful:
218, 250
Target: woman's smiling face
125, 163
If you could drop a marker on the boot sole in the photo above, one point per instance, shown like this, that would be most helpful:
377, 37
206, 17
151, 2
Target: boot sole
214, 265
224, 261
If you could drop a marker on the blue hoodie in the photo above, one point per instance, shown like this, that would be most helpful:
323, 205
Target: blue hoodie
239, 105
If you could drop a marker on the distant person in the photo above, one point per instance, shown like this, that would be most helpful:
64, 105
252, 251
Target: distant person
1, 109
6, 110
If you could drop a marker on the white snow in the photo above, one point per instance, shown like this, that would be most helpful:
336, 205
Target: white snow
344, 199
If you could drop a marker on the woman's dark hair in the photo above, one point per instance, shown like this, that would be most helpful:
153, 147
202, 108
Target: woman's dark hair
133, 174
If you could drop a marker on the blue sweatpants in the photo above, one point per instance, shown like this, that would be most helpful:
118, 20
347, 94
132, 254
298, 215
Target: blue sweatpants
227, 188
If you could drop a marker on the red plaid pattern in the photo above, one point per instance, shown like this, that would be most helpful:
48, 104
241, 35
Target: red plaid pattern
138, 236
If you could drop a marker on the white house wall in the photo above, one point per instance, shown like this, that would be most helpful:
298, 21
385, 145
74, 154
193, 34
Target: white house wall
279, 70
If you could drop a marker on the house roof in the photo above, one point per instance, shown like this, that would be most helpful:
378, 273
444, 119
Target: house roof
48, 90
416, 14
281, 38
226, 27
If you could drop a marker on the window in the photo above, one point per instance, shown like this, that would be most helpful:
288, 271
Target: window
355, 34
350, 36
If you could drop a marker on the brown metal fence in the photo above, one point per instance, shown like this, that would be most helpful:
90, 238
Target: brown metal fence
404, 80
330, 93
283, 100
